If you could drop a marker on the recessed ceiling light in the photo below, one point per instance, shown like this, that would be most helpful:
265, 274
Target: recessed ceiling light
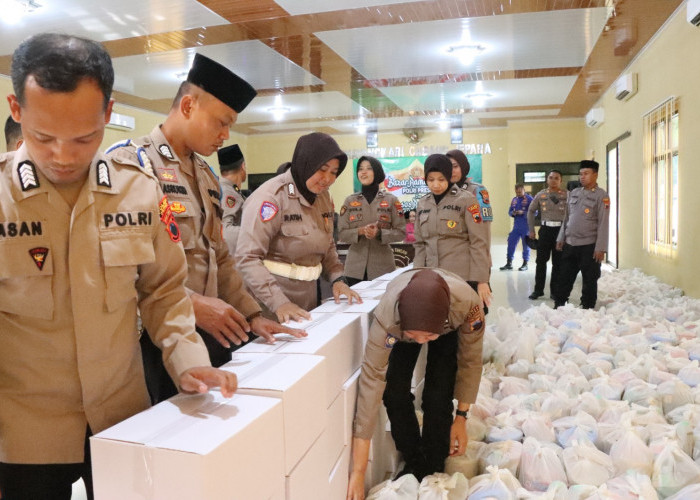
478, 99
444, 121
14, 10
466, 52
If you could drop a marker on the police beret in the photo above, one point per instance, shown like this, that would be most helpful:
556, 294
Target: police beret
221, 82
229, 155
593, 165
531, 242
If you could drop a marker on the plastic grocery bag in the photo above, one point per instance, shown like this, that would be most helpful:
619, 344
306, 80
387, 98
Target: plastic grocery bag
496, 484
467, 464
539, 466
440, 486
585, 464
556, 491
580, 427
501, 454
404, 488
538, 426
690, 491
673, 470
631, 486
631, 453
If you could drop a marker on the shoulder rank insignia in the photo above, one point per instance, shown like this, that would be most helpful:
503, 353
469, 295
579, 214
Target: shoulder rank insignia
103, 174
27, 175
39, 254
384, 204
343, 209
291, 189
164, 149
230, 201
390, 341
268, 210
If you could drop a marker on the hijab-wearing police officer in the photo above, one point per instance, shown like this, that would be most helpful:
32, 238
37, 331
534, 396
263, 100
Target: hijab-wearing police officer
369, 221
286, 239
583, 238
420, 306
84, 242
206, 105
233, 174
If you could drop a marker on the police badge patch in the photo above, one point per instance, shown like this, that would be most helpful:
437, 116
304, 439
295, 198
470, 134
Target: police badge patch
268, 210
39, 255
343, 209
230, 201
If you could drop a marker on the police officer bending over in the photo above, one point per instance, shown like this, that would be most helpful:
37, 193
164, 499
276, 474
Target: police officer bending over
233, 174
421, 306
83, 242
583, 238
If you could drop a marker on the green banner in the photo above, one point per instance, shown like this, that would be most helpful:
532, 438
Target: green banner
404, 177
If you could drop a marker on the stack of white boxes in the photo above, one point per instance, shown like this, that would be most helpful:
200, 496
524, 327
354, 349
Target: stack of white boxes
285, 435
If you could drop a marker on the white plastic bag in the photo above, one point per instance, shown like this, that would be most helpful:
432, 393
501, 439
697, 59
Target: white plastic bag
581, 427
404, 488
631, 453
538, 426
496, 484
585, 464
539, 466
673, 470
690, 491
467, 464
501, 454
631, 486
440, 486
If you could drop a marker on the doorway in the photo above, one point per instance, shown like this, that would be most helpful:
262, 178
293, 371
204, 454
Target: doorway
534, 175
613, 189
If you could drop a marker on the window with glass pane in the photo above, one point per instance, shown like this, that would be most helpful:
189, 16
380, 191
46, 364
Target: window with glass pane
661, 179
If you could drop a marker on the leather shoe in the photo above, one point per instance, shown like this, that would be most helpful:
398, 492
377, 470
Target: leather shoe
535, 295
507, 267
523, 267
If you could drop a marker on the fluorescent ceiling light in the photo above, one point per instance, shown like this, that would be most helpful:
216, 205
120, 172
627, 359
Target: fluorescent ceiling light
14, 10
479, 99
444, 121
466, 52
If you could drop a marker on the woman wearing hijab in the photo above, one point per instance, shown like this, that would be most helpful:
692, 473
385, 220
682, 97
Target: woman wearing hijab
369, 221
286, 239
450, 233
420, 306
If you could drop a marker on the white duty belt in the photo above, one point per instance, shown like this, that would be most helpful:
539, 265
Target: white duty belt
551, 223
293, 271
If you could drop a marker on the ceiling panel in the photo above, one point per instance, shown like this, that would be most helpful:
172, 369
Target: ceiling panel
158, 75
296, 7
106, 19
561, 38
306, 106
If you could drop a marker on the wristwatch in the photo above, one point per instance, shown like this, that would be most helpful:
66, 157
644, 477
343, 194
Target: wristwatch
462, 413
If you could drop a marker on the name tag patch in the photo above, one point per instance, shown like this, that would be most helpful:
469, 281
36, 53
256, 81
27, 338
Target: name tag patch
22, 228
123, 219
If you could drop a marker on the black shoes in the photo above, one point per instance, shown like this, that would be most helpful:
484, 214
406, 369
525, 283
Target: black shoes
523, 267
507, 267
535, 295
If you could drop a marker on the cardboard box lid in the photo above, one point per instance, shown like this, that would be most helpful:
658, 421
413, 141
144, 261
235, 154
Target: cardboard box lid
191, 423
367, 306
276, 372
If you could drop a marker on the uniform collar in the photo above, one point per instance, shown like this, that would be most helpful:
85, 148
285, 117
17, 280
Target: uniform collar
167, 153
290, 188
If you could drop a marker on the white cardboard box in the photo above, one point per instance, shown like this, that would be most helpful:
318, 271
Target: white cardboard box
335, 430
339, 476
338, 337
309, 479
349, 404
203, 446
299, 380
393, 274
364, 309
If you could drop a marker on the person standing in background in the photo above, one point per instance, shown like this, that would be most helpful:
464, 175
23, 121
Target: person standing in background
583, 238
369, 221
205, 107
550, 203
410, 227
13, 134
233, 175
518, 210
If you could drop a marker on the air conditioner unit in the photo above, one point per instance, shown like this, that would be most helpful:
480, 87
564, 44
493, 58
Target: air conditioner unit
626, 86
121, 122
594, 118
694, 12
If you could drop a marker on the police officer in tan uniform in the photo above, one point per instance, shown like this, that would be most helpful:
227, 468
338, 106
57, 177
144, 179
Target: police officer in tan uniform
420, 306
369, 221
13, 135
233, 175
286, 239
583, 238
206, 105
83, 242
450, 233
550, 203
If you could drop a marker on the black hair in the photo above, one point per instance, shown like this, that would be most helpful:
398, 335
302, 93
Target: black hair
13, 133
520, 186
60, 62
571, 185
185, 88
555, 171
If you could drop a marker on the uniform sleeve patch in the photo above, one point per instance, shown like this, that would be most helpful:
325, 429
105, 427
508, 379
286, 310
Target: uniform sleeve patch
485, 196
230, 201
268, 210
474, 318
166, 216
475, 211
390, 341
398, 207
606, 202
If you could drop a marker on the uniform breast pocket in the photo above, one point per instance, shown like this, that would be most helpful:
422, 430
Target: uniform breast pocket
294, 230
121, 256
450, 225
26, 277
589, 208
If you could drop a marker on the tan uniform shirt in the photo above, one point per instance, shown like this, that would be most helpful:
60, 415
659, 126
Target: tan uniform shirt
280, 225
465, 315
70, 283
232, 205
587, 218
452, 236
193, 191
373, 256
550, 204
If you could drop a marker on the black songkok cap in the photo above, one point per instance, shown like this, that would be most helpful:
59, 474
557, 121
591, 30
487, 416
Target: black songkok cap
229, 155
593, 165
221, 82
